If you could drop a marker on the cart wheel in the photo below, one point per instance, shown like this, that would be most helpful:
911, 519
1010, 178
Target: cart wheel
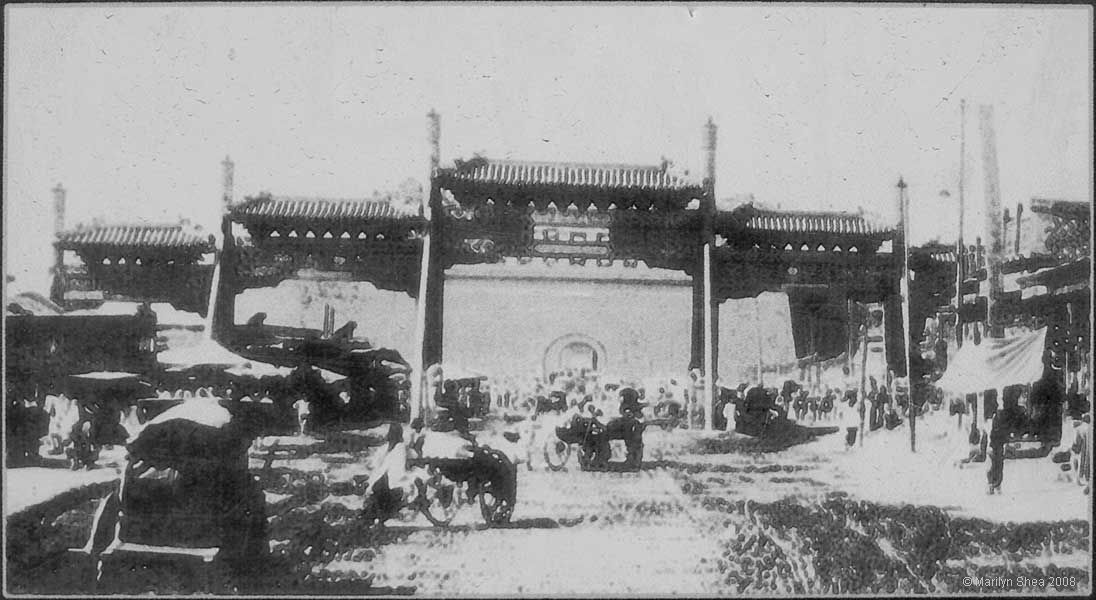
585, 457
495, 507
442, 501
556, 454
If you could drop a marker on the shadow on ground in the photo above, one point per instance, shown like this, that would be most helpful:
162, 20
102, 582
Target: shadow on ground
773, 439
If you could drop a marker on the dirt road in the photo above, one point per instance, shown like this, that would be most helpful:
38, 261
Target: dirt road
706, 515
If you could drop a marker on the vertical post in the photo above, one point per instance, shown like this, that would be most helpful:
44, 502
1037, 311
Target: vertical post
435, 290
708, 401
228, 170
903, 206
757, 332
711, 316
57, 286
419, 386
851, 338
1019, 216
427, 317
696, 348
221, 308
993, 219
59, 195
863, 375
1066, 346
960, 249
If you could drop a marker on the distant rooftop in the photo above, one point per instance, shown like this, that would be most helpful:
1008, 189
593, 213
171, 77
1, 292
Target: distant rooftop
136, 236
295, 207
787, 221
601, 176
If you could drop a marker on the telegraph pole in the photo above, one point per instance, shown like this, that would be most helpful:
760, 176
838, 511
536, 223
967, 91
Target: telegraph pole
903, 211
993, 220
960, 249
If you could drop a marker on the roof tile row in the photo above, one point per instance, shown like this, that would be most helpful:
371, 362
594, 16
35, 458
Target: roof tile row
163, 236
317, 208
814, 223
592, 175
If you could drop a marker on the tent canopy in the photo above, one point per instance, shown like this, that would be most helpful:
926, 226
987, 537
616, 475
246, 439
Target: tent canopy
260, 369
996, 363
206, 353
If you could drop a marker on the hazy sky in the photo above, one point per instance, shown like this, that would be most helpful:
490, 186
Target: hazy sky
133, 108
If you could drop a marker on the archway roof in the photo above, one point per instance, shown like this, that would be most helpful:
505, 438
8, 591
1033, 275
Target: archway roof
604, 186
267, 207
136, 237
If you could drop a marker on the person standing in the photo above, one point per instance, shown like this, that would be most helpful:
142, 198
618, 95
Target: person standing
83, 453
999, 431
728, 410
631, 412
850, 419
304, 414
827, 405
391, 485
1081, 457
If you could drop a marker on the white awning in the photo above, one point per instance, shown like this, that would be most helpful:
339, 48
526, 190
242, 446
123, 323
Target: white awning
995, 363
206, 353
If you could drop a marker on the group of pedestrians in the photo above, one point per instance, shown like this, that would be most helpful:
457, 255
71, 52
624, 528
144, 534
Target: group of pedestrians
61, 422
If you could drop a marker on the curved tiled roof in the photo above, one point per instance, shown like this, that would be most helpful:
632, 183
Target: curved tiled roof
292, 207
836, 223
137, 236
937, 252
603, 176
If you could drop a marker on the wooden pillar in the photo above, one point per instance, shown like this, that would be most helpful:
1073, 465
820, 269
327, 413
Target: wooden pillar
222, 310
711, 317
760, 346
434, 297
903, 205
709, 343
696, 354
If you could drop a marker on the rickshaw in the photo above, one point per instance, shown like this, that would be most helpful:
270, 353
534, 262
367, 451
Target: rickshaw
484, 475
487, 477
185, 494
757, 414
101, 396
594, 440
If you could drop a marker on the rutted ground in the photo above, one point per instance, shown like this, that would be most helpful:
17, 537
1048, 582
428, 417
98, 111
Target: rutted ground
723, 516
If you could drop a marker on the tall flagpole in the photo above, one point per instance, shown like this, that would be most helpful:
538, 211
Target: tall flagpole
903, 206
960, 249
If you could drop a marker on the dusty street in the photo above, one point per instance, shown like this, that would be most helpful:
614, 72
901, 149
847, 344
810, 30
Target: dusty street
708, 514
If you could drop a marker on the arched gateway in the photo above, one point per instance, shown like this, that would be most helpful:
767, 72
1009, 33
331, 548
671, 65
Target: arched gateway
574, 351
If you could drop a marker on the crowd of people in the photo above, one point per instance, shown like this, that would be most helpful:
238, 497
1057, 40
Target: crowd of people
541, 405
78, 427
1025, 413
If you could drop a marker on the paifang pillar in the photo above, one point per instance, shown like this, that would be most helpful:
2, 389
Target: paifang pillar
434, 300
696, 354
224, 297
707, 235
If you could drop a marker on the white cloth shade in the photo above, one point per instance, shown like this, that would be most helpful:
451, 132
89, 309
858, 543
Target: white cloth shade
995, 363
